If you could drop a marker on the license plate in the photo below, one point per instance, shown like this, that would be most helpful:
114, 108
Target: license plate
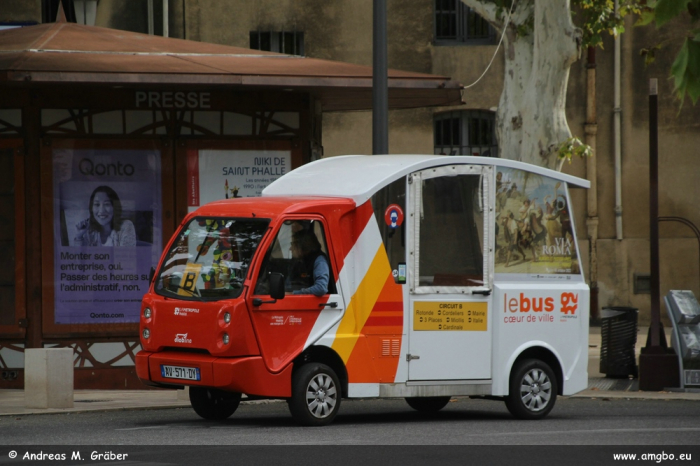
177, 372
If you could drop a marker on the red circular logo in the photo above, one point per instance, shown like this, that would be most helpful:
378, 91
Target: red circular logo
393, 215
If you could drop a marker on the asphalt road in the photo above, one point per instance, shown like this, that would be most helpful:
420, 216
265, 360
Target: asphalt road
464, 421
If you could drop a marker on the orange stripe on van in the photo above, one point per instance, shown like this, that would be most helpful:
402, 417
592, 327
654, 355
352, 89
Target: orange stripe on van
375, 357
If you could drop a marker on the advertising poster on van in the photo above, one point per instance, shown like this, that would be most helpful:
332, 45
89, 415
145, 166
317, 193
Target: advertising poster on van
107, 233
227, 174
534, 230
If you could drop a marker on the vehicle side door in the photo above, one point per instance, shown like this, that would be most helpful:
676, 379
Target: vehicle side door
285, 327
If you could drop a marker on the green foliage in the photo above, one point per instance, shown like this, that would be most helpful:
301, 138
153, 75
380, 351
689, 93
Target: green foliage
573, 147
597, 17
685, 70
666, 10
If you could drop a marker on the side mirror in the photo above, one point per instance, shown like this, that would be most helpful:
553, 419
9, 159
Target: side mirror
276, 285
151, 274
276, 281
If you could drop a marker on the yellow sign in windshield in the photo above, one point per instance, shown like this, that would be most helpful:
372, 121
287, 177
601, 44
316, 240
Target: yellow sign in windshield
188, 284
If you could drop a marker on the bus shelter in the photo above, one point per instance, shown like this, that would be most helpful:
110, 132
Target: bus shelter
156, 127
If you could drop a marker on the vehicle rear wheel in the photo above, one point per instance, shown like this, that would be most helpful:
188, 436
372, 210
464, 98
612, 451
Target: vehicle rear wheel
533, 390
316, 395
213, 404
428, 404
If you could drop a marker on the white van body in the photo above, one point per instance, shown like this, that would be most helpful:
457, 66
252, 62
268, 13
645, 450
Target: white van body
449, 276
436, 363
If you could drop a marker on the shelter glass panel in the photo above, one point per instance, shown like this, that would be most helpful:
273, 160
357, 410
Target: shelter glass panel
10, 121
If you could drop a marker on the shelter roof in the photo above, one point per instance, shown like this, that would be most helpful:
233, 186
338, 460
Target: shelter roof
64, 52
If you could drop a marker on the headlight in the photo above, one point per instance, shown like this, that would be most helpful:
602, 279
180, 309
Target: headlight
225, 339
146, 334
147, 313
227, 317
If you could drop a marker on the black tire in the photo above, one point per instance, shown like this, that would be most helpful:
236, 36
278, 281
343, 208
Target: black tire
316, 395
213, 404
428, 404
532, 391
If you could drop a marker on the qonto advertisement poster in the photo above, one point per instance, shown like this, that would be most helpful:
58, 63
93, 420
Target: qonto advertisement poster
107, 233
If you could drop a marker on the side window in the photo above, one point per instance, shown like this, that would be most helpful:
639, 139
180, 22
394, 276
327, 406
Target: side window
534, 231
300, 253
389, 205
451, 232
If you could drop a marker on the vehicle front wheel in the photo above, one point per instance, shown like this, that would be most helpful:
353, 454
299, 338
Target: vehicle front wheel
316, 395
213, 404
428, 404
533, 390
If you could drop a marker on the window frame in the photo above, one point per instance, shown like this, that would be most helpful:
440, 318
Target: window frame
266, 252
416, 182
462, 16
462, 142
277, 41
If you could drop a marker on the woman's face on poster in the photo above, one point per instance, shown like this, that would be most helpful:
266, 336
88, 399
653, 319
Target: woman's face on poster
102, 209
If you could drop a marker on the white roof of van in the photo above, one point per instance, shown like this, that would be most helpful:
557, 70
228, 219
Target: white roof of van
360, 176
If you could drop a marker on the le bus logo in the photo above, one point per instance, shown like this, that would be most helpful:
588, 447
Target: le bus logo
567, 301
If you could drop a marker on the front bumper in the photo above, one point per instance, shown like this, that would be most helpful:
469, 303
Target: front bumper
247, 375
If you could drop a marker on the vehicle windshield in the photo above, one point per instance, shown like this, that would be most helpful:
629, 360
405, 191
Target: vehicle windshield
210, 258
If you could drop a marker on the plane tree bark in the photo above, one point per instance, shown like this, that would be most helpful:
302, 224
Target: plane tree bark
540, 45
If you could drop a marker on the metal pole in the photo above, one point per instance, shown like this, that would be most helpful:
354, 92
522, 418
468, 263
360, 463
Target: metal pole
166, 18
654, 212
617, 130
150, 17
658, 367
591, 130
380, 90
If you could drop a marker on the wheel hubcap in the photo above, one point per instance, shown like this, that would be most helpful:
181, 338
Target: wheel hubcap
321, 396
535, 390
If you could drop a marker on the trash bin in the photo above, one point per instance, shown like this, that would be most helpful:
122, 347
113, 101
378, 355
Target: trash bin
618, 332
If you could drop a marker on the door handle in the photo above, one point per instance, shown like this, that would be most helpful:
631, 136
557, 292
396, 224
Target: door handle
331, 305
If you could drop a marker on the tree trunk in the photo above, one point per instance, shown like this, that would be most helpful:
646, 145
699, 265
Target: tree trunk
540, 45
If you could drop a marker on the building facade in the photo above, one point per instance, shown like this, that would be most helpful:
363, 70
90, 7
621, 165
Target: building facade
440, 37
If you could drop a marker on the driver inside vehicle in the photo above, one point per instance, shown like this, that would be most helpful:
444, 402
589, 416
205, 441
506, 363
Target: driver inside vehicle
311, 270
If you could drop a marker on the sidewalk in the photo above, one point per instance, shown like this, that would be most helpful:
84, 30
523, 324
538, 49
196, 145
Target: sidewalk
12, 401
599, 386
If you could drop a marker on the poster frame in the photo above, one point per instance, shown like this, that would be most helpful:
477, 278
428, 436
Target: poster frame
292, 145
17, 330
98, 330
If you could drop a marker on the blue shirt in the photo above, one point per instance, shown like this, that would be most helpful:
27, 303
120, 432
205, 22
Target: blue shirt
320, 274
